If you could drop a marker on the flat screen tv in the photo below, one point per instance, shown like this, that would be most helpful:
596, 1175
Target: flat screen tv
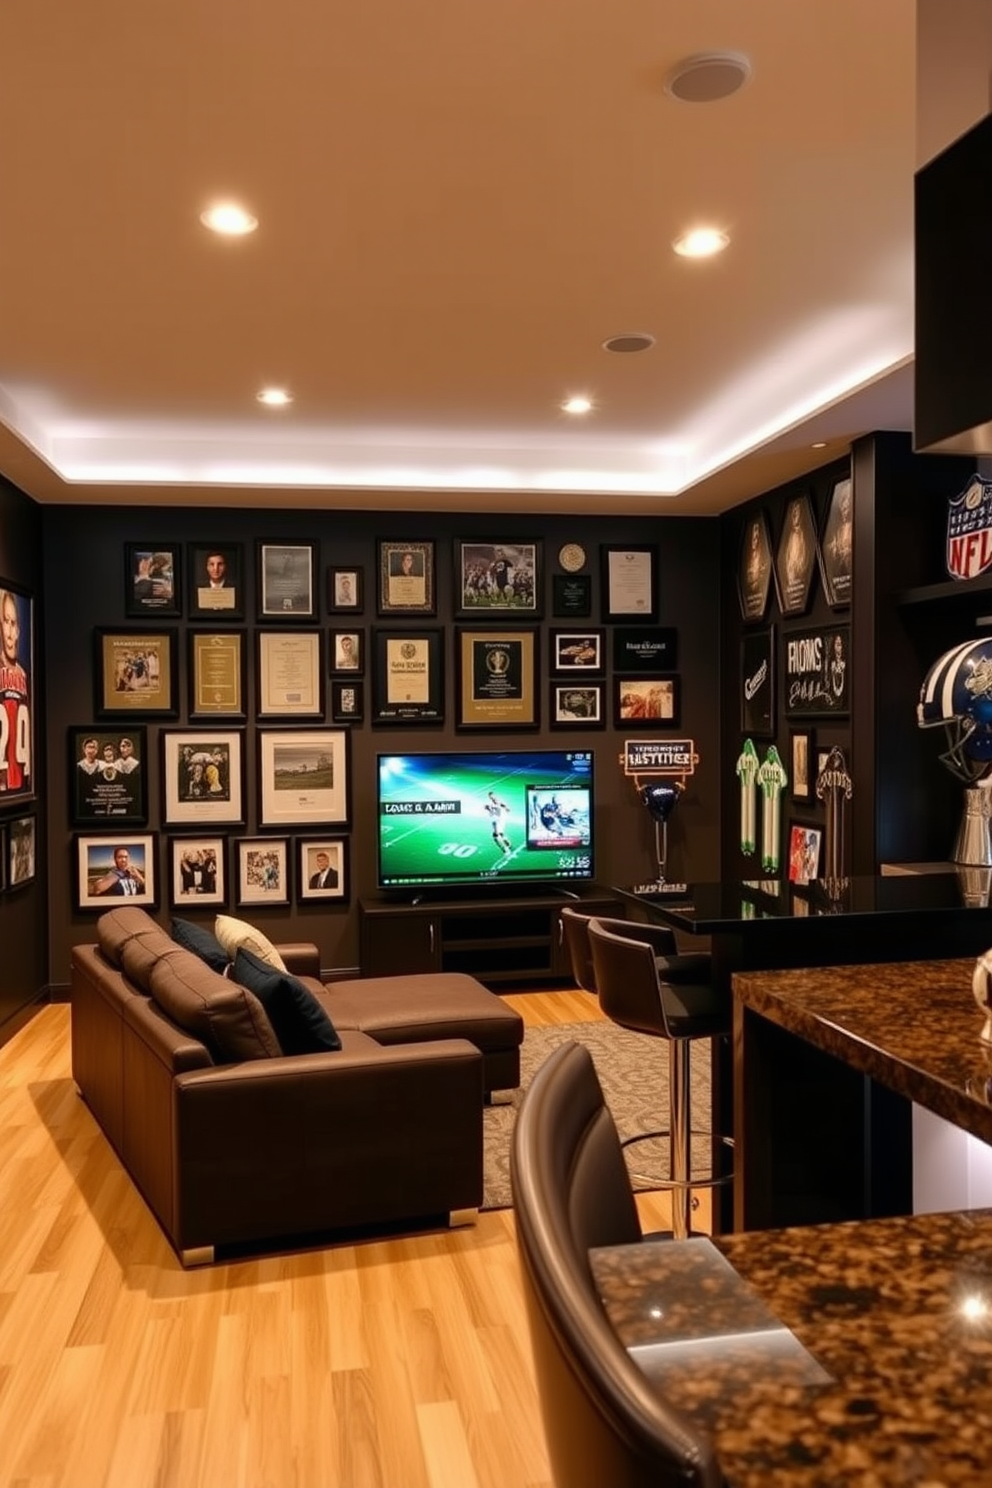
514, 816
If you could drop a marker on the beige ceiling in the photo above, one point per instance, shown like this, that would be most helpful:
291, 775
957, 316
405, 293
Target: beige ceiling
458, 203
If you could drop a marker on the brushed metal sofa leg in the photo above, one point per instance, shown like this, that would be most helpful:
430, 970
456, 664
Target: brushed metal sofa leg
199, 1255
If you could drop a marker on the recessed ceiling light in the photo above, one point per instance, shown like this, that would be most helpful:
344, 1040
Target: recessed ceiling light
819, 444
578, 404
274, 397
708, 76
229, 219
701, 242
629, 341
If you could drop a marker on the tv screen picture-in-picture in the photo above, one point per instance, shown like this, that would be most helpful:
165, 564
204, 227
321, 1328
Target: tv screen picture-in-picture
463, 818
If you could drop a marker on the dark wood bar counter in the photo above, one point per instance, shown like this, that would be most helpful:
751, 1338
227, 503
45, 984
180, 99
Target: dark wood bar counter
855, 1354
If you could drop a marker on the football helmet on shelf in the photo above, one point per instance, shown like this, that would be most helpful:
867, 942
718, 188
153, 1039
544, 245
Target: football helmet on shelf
957, 692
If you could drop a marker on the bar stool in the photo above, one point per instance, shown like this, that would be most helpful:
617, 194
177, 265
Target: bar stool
575, 933
668, 997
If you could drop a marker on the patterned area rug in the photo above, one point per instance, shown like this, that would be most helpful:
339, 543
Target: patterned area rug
633, 1071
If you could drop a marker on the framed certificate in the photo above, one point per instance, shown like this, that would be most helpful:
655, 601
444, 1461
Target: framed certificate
497, 679
630, 590
406, 578
216, 673
408, 676
290, 675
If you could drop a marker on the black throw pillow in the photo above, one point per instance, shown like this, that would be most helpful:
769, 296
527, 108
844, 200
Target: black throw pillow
202, 943
300, 1023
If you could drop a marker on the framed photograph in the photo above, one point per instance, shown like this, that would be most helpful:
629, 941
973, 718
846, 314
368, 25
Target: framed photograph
197, 872
202, 776
758, 683
804, 852
406, 578
345, 591
217, 673
803, 764
136, 672
152, 580
108, 775
755, 571
817, 672
837, 546
112, 868
647, 648
263, 870
347, 702
216, 581
408, 676
285, 581
630, 587
498, 577
303, 777
576, 651
17, 768
577, 705
497, 679
290, 674
571, 596
322, 869
21, 851
795, 562
646, 702
347, 652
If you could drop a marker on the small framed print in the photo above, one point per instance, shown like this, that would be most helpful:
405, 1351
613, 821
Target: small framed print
497, 679
795, 561
347, 652
576, 651
263, 870
577, 705
408, 676
108, 774
197, 872
758, 683
290, 674
803, 760
303, 777
322, 869
837, 547
347, 702
152, 580
113, 868
646, 702
136, 672
344, 591
755, 571
285, 581
202, 779
571, 596
498, 577
649, 648
804, 853
406, 578
630, 587
21, 851
216, 581
216, 673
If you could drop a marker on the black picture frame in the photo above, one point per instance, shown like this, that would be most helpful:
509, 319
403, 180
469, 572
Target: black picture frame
796, 557
406, 577
108, 775
216, 581
304, 777
816, 672
135, 672
754, 574
346, 652
18, 758
197, 869
347, 701
217, 668
837, 546
309, 869
497, 679
802, 764
578, 652
758, 699
22, 851
804, 850
152, 580
345, 589
496, 579
629, 583
407, 675
285, 576
203, 777
262, 872
95, 858
645, 648
289, 674
577, 704
571, 596
653, 702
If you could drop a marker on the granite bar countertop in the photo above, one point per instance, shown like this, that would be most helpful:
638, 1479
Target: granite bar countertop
879, 1371
912, 1025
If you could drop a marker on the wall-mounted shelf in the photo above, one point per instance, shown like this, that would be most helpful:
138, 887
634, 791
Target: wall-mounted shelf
950, 589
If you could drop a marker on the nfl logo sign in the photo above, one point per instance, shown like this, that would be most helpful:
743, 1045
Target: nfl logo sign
969, 530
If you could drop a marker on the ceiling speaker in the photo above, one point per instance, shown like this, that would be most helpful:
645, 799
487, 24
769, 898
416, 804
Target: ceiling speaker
708, 77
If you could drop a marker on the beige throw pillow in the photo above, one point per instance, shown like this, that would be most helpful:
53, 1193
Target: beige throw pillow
238, 934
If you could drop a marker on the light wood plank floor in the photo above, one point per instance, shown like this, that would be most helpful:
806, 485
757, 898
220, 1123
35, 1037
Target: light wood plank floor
395, 1364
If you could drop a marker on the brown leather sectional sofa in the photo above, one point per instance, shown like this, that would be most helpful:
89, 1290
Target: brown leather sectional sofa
232, 1142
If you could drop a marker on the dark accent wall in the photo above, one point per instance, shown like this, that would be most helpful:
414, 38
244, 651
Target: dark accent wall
84, 568
24, 911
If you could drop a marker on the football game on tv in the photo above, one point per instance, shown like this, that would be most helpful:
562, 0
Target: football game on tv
461, 818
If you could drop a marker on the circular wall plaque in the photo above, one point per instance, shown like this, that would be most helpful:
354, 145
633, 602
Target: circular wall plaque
572, 557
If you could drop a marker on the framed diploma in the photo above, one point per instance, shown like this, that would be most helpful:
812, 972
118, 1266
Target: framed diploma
290, 675
408, 676
216, 673
630, 589
497, 679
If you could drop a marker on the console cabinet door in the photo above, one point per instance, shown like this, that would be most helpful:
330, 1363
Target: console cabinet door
400, 944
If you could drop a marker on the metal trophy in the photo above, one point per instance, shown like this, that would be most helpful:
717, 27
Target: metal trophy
957, 695
833, 788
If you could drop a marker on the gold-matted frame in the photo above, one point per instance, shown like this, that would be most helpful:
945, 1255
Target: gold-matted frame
217, 673
408, 675
406, 577
136, 672
497, 679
